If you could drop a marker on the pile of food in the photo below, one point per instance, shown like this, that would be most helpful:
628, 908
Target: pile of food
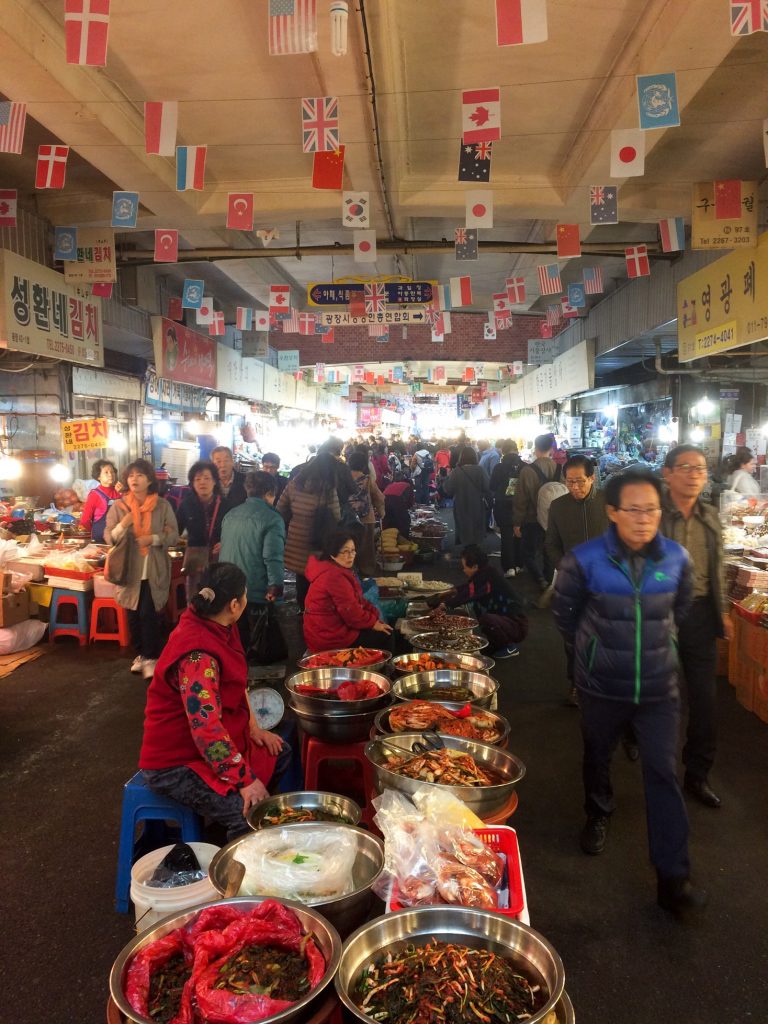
439, 619
350, 657
418, 715
425, 663
309, 865
228, 964
442, 983
452, 693
277, 815
444, 767
450, 640
389, 583
347, 690
433, 586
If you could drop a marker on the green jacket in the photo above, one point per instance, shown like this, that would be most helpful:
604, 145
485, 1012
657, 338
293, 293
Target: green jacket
573, 522
716, 569
253, 537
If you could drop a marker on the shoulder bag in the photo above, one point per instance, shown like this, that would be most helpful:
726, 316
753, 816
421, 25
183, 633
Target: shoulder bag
117, 565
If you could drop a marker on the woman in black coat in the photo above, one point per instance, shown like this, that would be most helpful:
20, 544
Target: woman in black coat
503, 483
200, 514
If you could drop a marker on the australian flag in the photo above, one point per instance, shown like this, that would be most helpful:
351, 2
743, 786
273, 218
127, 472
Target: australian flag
475, 161
603, 204
465, 243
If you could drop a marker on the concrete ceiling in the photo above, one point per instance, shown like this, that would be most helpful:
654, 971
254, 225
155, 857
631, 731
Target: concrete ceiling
560, 100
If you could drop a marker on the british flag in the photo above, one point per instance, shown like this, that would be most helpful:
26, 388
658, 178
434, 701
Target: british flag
432, 313
748, 16
549, 279
320, 124
375, 298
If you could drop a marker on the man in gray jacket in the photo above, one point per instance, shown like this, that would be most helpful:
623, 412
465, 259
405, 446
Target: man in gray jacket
532, 476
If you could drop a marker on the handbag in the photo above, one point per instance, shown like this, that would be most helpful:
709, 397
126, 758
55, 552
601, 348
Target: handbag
197, 558
116, 567
266, 643
323, 523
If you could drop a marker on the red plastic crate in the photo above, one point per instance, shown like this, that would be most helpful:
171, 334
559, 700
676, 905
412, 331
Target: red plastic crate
68, 574
501, 839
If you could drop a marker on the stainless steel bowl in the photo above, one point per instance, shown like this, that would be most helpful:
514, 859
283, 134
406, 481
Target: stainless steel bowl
345, 912
329, 679
385, 657
428, 641
383, 728
335, 728
483, 800
528, 951
404, 663
313, 800
483, 686
325, 935
462, 624
564, 1010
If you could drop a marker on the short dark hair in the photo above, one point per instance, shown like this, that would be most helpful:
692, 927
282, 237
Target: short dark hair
740, 458
618, 481
508, 446
474, 555
100, 464
681, 449
271, 458
333, 445
579, 462
258, 484
357, 462
336, 540
200, 467
226, 580
544, 442
221, 448
467, 456
145, 467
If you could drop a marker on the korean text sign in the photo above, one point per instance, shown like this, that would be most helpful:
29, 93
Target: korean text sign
96, 262
83, 435
183, 355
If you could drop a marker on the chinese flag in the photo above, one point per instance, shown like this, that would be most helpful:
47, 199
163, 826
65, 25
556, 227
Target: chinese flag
568, 241
728, 200
328, 169
102, 289
175, 311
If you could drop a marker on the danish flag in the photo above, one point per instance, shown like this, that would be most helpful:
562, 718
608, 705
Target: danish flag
86, 28
51, 166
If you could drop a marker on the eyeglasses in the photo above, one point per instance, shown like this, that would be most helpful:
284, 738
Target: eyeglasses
691, 467
641, 513
577, 483
347, 551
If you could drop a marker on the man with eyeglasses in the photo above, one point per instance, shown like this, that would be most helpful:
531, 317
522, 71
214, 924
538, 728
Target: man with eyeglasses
696, 526
618, 599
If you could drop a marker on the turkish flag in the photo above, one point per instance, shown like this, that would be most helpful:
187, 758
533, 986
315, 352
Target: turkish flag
166, 246
328, 169
728, 199
568, 241
240, 211
545, 329
175, 311
86, 28
103, 289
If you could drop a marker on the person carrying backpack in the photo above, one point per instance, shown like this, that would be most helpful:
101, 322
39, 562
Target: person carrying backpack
503, 485
527, 527
422, 468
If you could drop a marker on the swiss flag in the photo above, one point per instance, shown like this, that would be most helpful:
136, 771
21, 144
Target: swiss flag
51, 166
638, 264
8, 200
728, 199
86, 27
240, 211
568, 241
166, 245
175, 311
627, 153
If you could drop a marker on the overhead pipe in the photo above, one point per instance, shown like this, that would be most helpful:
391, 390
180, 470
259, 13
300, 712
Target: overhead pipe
671, 373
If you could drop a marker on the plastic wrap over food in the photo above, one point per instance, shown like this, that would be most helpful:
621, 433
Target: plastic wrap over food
410, 849
310, 865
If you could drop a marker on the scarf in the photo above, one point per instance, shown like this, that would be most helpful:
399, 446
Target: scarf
142, 517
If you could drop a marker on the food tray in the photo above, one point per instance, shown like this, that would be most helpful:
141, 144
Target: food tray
382, 657
432, 641
426, 623
68, 574
501, 839
66, 583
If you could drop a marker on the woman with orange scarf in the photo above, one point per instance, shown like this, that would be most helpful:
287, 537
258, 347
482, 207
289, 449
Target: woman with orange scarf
146, 524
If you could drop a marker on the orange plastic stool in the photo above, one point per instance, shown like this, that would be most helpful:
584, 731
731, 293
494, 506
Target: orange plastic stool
315, 752
177, 600
120, 631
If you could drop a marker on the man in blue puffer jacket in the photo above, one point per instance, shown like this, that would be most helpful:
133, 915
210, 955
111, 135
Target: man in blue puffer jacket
618, 599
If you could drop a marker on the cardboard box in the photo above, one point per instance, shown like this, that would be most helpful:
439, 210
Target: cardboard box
14, 608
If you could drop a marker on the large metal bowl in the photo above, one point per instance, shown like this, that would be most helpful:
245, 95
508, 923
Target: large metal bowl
380, 661
483, 686
311, 800
329, 679
383, 727
335, 728
345, 912
404, 663
325, 935
429, 641
483, 800
529, 951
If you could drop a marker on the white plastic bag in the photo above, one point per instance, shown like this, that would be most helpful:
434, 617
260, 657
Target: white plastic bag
310, 865
22, 636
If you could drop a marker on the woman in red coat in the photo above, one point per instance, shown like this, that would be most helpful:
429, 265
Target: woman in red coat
336, 614
202, 746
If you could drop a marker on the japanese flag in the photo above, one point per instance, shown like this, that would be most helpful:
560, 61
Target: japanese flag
205, 313
260, 320
479, 208
627, 153
365, 246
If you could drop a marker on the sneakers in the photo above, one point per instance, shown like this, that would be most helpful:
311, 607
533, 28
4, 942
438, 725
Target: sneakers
148, 667
506, 652
137, 665
594, 834
510, 573
680, 898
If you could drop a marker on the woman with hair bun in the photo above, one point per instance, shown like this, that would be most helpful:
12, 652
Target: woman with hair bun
202, 745
741, 466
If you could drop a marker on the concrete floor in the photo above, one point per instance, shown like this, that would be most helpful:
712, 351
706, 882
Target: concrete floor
71, 728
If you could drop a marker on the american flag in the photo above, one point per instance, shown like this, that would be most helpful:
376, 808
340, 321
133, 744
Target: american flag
291, 323
748, 16
554, 315
375, 298
378, 331
593, 280
13, 117
292, 27
320, 124
549, 279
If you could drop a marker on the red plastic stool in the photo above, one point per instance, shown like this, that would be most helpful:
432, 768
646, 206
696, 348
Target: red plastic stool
315, 752
177, 600
120, 631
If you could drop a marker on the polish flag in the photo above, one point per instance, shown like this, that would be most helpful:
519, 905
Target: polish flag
638, 264
515, 290
672, 234
365, 246
279, 297
520, 21
728, 199
51, 166
166, 245
244, 320
240, 211
8, 200
461, 291
190, 168
627, 153
568, 241
86, 28
216, 325
161, 121
479, 208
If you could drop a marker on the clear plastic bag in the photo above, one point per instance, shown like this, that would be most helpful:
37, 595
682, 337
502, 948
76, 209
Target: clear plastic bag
410, 848
311, 865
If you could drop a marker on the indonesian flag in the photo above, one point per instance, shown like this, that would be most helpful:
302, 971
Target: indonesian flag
216, 325
166, 245
51, 166
161, 121
279, 297
190, 168
8, 200
515, 290
520, 21
240, 211
86, 28
627, 153
244, 320
461, 291
638, 264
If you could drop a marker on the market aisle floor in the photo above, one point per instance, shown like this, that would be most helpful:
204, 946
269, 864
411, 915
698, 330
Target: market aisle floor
71, 725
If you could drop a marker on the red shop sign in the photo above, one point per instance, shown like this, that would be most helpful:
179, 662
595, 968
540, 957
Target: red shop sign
182, 355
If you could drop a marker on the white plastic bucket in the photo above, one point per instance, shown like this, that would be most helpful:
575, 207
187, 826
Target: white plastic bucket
151, 904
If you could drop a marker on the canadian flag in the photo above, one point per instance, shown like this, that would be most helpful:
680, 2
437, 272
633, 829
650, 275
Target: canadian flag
51, 166
365, 246
240, 211
279, 296
638, 264
86, 28
627, 153
166, 245
216, 325
205, 314
8, 200
161, 121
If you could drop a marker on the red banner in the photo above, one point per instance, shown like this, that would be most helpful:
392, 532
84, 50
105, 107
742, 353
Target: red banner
182, 355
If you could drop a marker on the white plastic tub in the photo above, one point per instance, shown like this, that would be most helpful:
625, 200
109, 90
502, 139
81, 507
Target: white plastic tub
150, 904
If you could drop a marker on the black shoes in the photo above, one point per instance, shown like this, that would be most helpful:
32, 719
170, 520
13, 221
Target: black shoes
701, 789
631, 748
572, 700
679, 897
594, 834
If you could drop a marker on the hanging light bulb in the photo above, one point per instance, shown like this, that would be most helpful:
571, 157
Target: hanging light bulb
339, 15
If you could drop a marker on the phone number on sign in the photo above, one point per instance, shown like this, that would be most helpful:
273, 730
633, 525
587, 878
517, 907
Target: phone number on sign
716, 338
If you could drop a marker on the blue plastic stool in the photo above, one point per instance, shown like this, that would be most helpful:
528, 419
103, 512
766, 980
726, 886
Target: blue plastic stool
80, 601
142, 804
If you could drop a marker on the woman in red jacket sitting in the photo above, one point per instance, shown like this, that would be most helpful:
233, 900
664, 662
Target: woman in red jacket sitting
202, 745
336, 614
